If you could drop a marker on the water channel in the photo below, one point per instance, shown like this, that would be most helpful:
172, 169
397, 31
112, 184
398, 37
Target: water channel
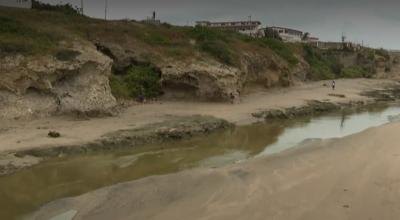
25, 191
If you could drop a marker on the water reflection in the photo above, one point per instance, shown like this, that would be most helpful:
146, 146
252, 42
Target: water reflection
27, 190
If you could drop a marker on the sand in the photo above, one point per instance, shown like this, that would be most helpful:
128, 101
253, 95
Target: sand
18, 135
356, 177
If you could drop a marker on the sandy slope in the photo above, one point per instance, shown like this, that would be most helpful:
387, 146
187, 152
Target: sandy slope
356, 177
18, 134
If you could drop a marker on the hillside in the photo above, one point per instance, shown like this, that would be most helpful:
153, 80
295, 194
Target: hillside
55, 62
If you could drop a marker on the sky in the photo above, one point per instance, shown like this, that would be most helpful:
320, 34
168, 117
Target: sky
375, 23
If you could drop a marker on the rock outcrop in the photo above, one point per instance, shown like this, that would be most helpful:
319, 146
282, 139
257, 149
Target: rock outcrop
73, 80
205, 79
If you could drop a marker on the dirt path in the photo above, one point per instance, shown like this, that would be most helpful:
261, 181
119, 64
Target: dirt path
351, 178
18, 135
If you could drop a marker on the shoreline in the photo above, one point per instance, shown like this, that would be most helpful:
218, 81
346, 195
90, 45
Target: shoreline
182, 122
343, 178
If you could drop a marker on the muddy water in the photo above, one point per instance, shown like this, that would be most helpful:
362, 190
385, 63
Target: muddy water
27, 190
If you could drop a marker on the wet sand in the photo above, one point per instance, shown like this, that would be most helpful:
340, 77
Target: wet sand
16, 135
355, 177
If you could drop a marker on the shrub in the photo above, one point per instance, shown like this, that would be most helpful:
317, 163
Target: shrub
280, 48
138, 80
384, 53
218, 50
64, 8
321, 67
207, 34
355, 72
215, 43
155, 38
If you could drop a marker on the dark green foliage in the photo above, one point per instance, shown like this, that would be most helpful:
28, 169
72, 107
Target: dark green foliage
138, 80
355, 72
15, 37
321, 67
326, 64
207, 34
155, 38
215, 43
218, 50
64, 8
280, 48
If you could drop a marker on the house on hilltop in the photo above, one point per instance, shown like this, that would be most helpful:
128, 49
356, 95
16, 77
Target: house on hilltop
288, 34
251, 28
16, 3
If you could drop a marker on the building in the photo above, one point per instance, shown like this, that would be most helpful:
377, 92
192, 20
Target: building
312, 39
251, 28
336, 45
152, 20
16, 3
288, 34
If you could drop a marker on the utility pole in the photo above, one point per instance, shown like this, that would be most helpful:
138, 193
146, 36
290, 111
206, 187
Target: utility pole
82, 12
105, 10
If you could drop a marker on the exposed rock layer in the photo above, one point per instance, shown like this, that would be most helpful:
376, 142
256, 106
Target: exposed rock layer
74, 80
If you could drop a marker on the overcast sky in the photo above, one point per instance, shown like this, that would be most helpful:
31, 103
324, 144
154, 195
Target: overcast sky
377, 23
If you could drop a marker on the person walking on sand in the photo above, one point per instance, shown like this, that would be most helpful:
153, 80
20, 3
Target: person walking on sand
333, 84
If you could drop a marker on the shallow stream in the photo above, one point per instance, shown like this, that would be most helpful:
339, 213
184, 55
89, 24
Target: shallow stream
25, 191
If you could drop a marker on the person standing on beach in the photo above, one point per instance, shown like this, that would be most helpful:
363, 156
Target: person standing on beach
333, 84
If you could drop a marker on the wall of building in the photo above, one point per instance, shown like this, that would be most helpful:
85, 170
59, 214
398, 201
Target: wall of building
288, 35
16, 3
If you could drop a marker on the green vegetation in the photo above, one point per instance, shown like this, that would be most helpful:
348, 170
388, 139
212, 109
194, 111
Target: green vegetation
322, 67
215, 43
327, 64
384, 53
355, 72
138, 80
280, 48
64, 8
53, 29
15, 37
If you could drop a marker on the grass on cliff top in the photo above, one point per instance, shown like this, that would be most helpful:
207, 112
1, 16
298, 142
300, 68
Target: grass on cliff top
41, 31
29, 31
16, 37
280, 48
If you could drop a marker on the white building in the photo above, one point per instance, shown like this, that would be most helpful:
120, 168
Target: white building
16, 3
251, 28
288, 34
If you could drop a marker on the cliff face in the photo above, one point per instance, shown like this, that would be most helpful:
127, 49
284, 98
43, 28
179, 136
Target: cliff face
55, 63
202, 78
75, 80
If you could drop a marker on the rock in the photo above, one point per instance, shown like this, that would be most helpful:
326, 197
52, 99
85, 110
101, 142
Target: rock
312, 108
337, 95
76, 82
206, 79
173, 129
54, 134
